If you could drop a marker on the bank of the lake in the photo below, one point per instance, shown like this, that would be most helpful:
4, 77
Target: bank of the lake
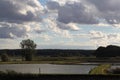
59, 62
43, 62
101, 69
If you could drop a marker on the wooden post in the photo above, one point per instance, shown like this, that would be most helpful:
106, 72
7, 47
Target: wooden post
39, 71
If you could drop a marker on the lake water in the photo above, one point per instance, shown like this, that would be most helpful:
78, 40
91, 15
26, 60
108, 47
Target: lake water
48, 68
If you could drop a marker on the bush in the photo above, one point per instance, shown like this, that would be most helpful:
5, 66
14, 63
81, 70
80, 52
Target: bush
4, 57
114, 71
101, 69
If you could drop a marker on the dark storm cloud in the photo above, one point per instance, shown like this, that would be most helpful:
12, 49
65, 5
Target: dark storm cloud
89, 11
15, 14
106, 5
40, 31
19, 11
77, 13
53, 5
109, 10
12, 32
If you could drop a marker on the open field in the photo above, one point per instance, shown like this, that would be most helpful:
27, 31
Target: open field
61, 60
45, 60
41, 62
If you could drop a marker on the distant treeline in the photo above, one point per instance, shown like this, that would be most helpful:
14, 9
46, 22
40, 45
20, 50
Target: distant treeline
109, 51
50, 52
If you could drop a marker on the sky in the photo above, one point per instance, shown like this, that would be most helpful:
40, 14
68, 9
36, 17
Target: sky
60, 24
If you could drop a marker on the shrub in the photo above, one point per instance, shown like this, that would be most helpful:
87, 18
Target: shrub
4, 57
114, 71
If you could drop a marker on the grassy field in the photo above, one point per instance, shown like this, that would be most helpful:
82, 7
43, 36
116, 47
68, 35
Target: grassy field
41, 62
100, 69
46, 60
60, 60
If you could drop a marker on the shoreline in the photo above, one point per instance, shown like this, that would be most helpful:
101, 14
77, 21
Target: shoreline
59, 63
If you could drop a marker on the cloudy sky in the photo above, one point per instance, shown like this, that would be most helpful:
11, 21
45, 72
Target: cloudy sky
60, 24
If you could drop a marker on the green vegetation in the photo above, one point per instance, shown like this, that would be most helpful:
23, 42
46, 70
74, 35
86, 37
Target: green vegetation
114, 71
32, 56
4, 57
102, 69
48, 60
59, 60
109, 51
28, 47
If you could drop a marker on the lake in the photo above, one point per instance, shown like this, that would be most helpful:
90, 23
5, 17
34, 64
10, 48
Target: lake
49, 68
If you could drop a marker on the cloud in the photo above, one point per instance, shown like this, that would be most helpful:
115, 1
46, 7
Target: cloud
69, 26
103, 25
97, 35
109, 10
17, 17
27, 16
63, 2
14, 30
62, 46
9, 44
53, 5
73, 26
100, 35
45, 37
60, 28
103, 39
98, 38
77, 12
114, 37
106, 6
8, 30
88, 11
36, 27
20, 11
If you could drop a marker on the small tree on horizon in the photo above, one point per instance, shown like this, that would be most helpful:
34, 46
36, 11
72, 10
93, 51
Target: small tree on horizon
28, 46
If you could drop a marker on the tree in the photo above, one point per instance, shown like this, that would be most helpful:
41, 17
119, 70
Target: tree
4, 57
28, 46
109, 51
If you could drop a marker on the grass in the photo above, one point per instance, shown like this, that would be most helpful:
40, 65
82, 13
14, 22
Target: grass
59, 60
56, 77
12, 75
101, 69
42, 62
48, 60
